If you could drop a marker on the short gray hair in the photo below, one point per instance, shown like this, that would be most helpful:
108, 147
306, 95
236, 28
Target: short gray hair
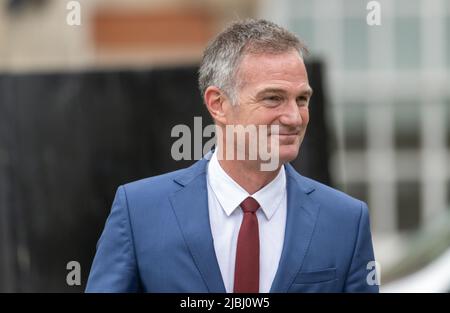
223, 54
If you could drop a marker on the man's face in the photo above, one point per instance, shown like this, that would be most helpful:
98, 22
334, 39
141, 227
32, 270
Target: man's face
273, 90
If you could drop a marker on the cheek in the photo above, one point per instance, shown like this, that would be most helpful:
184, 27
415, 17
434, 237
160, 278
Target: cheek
304, 113
236, 114
260, 116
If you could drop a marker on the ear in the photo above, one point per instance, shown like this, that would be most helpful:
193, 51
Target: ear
216, 103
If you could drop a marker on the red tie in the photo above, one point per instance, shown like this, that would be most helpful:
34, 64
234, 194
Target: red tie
246, 273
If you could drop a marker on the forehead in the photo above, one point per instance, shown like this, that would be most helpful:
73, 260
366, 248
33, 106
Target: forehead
284, 70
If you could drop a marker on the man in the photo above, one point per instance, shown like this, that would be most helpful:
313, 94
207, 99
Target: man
224, 224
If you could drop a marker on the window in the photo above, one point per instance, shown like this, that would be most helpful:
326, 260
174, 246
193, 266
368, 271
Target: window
407, 42
355, 126
407, 125
355, 44
408, 204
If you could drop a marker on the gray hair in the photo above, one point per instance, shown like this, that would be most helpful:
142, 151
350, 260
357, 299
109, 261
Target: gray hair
222, 56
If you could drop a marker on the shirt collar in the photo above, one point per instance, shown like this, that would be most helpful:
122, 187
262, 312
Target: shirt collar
230, 194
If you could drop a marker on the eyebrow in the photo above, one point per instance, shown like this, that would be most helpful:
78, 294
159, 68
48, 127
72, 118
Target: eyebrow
308, 92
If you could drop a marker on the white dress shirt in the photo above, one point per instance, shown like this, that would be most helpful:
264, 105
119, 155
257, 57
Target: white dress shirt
225, 216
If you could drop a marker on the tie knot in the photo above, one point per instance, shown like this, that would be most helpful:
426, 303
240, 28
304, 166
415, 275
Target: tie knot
250, 205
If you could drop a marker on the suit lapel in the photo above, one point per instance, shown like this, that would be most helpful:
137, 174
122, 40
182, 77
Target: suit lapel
301, 218
190, 205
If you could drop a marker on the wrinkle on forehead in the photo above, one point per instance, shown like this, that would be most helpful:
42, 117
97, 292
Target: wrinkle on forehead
279, 69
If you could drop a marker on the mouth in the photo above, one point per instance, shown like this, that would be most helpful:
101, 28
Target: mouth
287, 138
288, 134
294, 134
285, 133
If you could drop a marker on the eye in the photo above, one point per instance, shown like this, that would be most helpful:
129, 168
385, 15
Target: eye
273, 98
302, 100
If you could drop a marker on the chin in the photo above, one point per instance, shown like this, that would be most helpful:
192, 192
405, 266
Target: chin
288, 153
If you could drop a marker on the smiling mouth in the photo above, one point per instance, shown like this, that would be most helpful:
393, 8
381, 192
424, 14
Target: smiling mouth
287, 138
287, 134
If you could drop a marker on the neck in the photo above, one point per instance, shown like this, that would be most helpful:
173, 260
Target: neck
248, 174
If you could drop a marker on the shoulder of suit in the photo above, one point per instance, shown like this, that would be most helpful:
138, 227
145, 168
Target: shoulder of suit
330, 197
159, 183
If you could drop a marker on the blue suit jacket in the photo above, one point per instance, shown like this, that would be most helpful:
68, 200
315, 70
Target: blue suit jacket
157, 238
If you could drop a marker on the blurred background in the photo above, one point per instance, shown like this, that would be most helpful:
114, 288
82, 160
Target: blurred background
85, 108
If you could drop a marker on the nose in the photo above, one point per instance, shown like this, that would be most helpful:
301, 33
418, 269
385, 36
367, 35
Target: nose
291, 115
